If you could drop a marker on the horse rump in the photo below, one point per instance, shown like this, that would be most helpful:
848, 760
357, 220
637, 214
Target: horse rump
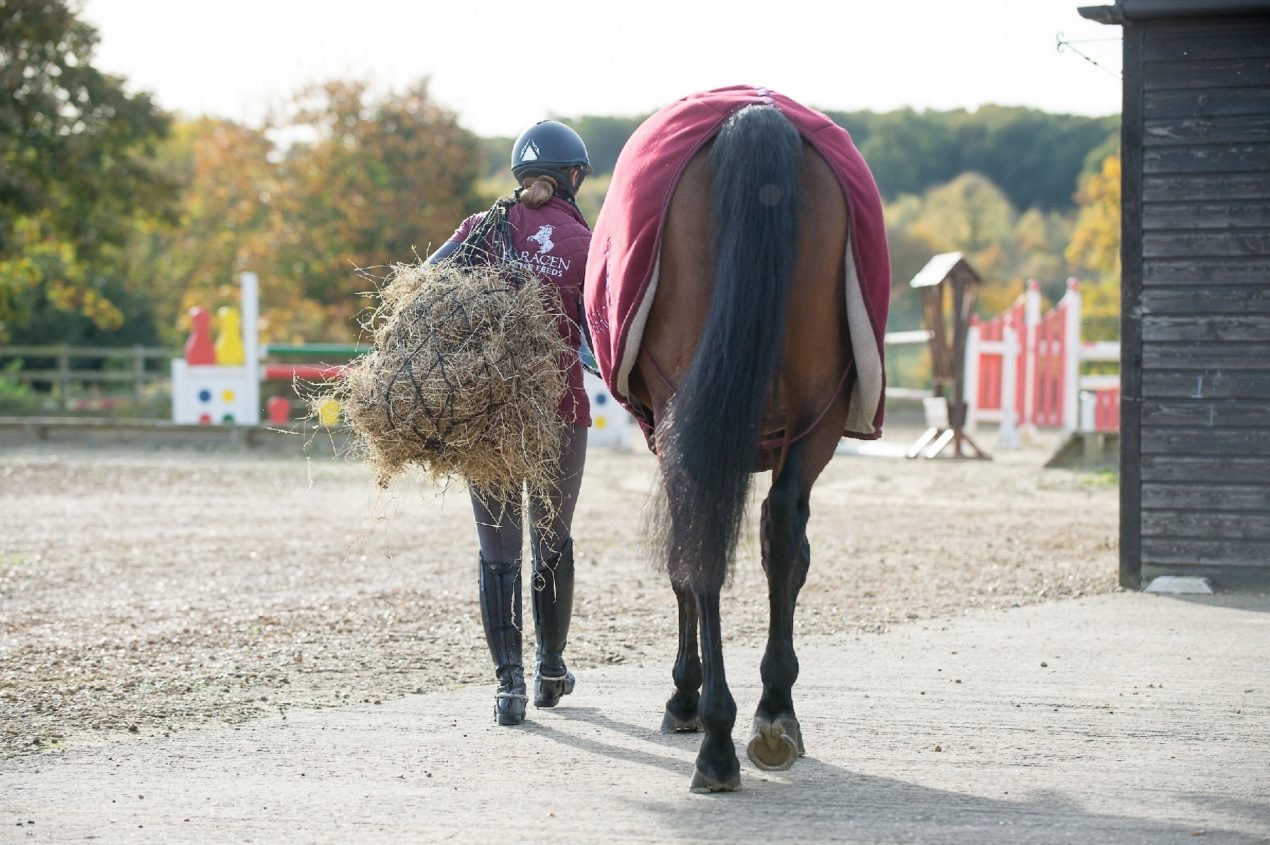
708, 440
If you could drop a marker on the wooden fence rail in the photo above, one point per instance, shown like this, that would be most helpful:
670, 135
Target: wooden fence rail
71, 371
73, 366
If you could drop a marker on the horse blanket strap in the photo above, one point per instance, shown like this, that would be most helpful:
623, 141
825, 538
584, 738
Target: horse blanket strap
769, 443
781, 442
622, 266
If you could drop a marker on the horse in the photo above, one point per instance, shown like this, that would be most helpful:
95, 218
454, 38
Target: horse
745, 365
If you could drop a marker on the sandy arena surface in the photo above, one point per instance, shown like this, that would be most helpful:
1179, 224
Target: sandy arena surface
152, 590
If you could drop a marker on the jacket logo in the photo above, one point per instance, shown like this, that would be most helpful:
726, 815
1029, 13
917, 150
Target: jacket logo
543, 239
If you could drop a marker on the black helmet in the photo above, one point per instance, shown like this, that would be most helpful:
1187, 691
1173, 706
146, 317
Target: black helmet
551, 148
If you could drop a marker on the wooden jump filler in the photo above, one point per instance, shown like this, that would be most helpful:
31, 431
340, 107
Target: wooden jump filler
218, 381
948, 287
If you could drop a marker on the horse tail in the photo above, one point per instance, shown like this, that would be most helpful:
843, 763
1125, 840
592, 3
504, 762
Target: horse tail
716, 416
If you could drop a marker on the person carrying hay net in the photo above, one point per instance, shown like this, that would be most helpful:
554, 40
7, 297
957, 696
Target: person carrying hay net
540, 228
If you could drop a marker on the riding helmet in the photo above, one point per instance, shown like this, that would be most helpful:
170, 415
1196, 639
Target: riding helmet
551, 148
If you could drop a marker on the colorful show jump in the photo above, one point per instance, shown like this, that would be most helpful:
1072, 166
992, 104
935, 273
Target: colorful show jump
218, 381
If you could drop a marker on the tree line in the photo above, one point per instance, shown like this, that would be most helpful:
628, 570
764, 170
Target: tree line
116, 218
1034, 157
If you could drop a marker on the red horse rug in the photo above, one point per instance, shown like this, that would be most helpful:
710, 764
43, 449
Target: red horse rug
622, 266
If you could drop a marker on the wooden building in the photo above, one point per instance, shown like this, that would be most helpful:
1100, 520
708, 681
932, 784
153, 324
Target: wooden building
1195, 359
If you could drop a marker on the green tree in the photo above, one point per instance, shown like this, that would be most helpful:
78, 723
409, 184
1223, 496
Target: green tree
379, 182
225, 222
604, 137
908, 151
1095, 242
1034, 157
1037, 250
910, 247
1095, 249
972, 216
969, 214
74, 177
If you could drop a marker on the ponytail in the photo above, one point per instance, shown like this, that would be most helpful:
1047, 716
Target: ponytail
537, 190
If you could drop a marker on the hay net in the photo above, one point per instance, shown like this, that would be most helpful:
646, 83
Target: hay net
466, 371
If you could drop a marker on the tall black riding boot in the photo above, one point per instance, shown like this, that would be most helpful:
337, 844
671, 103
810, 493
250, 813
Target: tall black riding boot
501, 616
553, 607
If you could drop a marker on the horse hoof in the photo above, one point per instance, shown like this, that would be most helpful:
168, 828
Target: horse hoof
703, 783
672, 724
774, 746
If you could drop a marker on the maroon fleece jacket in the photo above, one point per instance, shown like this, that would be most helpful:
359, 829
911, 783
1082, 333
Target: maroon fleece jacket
552, 241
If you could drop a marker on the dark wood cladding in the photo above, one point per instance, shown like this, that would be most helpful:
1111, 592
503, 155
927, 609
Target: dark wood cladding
1178, 75
1236, 384
1199, 440
1243, 129
1205, 215
1182, 357
1224, 469
1177, 555
1206, 158
1197, 497
1232, 300
1195, 479
1249, 270
1201, 245
1203, 327
1195, 42
1215, 417
1207, 103
1194, 187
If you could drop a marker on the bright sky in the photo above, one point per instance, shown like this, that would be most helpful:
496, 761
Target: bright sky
504, 64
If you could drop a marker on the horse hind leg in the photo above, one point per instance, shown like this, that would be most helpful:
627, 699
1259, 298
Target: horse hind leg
776, 739
718, 769
681, 710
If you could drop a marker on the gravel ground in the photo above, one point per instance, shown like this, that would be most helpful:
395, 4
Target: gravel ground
156, 590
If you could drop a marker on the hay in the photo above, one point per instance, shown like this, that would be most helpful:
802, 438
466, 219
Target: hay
464, 378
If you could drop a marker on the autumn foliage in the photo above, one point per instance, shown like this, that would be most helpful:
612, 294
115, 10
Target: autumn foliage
360, 184
115, 218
